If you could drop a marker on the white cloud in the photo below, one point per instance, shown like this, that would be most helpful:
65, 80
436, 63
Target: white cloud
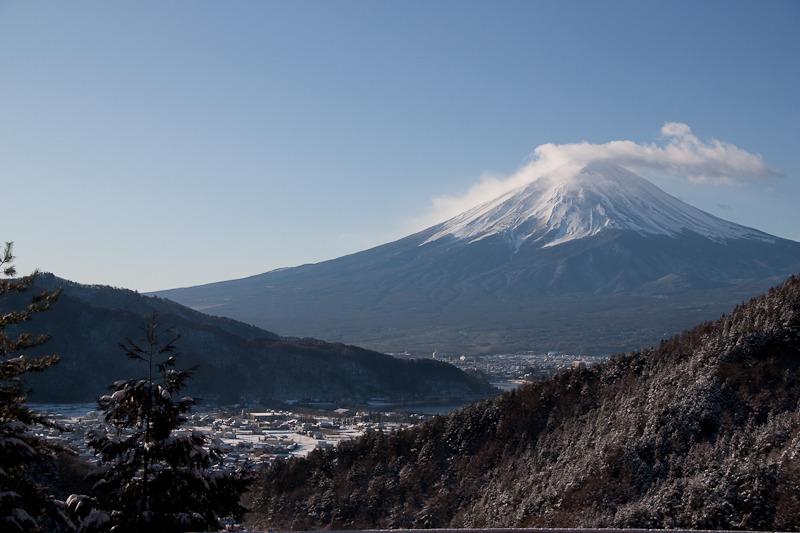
680, 154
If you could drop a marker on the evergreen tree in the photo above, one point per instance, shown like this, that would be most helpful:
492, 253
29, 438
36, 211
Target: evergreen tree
24, 505
151, 478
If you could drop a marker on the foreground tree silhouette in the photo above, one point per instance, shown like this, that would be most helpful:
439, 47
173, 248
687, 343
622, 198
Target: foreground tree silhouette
150, 478
23, 504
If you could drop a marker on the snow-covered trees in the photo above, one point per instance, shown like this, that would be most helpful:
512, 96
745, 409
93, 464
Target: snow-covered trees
702, 432
153, 477
23, 504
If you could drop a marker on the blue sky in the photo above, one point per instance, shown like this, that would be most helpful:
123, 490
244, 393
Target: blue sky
152, 145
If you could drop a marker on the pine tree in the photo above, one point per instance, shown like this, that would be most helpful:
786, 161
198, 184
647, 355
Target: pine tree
24, 505
151, 478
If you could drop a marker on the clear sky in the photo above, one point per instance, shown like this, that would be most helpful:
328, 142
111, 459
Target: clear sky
153, 145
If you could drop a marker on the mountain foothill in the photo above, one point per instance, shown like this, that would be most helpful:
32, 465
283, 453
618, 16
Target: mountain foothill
236, 363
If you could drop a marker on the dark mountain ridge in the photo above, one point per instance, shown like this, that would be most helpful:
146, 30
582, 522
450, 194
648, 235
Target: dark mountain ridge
702, 432
236, 362
556, 265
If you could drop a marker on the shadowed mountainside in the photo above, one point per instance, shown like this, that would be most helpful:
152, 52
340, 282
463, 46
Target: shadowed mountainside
236, 362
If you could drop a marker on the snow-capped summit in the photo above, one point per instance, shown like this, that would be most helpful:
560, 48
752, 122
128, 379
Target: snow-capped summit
554, 209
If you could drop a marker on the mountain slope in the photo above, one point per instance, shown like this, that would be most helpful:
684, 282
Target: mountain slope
700, 433
236, 362
555, 265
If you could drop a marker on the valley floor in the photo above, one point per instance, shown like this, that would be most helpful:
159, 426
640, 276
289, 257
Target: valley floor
246, 438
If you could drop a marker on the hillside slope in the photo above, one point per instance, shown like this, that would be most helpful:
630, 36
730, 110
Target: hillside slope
702, 433
236, 362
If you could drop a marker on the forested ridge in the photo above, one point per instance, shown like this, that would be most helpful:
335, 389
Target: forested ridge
701, 432
237, 363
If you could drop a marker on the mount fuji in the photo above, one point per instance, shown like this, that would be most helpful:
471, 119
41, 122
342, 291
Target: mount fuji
593, 261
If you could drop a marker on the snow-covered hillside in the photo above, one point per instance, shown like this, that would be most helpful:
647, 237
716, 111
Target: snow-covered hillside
555, 209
